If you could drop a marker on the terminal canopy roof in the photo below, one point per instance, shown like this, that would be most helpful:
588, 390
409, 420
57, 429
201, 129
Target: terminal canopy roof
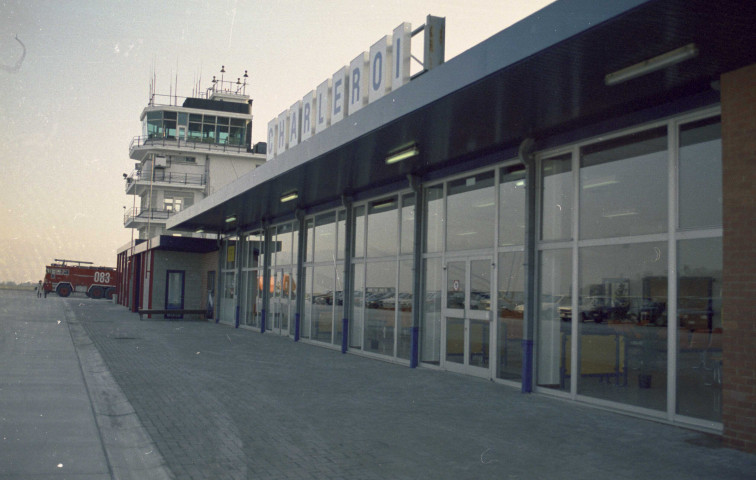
540, 78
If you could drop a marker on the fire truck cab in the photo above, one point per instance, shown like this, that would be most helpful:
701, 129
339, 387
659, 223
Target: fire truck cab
67, 276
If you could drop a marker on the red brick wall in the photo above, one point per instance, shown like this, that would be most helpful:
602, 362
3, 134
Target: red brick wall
739, 244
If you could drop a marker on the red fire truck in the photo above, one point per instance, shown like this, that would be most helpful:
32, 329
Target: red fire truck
67, 276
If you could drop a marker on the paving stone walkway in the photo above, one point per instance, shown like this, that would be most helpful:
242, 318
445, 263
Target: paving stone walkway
225, 403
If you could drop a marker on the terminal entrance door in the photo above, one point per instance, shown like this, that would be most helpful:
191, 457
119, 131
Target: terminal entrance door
467, 316
281, 302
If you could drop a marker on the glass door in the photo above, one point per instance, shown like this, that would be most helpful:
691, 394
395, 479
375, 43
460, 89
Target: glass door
280, 301
467, 316
174, 292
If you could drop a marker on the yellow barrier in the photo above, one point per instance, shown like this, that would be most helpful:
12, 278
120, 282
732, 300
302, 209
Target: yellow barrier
600, 356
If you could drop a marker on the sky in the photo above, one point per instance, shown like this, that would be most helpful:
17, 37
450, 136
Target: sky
70, 105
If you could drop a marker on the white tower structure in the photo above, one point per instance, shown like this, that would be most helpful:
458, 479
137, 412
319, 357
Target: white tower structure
189, 148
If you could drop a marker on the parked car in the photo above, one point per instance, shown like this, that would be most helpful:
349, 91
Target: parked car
404, 299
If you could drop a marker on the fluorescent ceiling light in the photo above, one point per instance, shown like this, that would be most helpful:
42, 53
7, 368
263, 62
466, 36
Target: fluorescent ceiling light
620, 213
231, 219
600, 183
404, 154
385, 204
289, 196
652, 64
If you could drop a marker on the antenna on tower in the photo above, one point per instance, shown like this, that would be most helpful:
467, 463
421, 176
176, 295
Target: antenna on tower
244, 85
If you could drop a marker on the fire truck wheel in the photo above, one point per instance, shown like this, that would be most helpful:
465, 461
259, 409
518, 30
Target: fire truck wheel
96, 292
64, 291
109, 294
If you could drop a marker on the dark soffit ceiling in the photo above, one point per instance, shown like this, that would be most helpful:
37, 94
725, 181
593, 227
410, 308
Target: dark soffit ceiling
553, 91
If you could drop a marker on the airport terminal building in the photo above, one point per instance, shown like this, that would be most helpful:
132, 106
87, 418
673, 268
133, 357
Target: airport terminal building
566, 208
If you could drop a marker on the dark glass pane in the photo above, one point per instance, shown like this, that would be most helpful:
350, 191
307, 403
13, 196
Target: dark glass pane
623, 186
700, 177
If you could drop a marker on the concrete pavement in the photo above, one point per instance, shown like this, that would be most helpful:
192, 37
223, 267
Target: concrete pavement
223, 403
62, 416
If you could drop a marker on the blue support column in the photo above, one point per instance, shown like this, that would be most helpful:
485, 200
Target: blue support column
262, 321
527, 366
236, 317
344, 335
296, 327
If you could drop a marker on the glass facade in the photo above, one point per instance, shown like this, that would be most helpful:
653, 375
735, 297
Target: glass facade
629, 305
470, 206
510, 297
473, 274
324, 277
229, 292
195, 128
383, 279
252, 279
627, 272
283, 277
623, 186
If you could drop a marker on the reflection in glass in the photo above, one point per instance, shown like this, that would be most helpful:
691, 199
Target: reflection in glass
358, 302
623, 186
379, 311
338, 305
282, 305
282, 245
434, 218
623, 317
322, 303
455, 340
382, 235
556, 198
341, 235
512, 206
325, 238
552, 334
479, 343
175, 290
456, 284
359, 231
430, 328
701, 174
480, 285
253, 249
309, 239
404, 310
275, 301
407, 232
252, 302
295, 243
699, 355
307, 315
292, 295
470, 213
510, 309
229, 254
228, 299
